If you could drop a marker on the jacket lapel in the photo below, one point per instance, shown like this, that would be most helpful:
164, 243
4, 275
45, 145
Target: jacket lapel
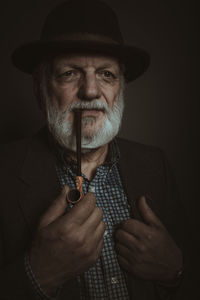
38, 181
137, 177
129, 171
135, 181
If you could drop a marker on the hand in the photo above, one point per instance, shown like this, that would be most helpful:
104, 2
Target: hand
66, 245
146, 250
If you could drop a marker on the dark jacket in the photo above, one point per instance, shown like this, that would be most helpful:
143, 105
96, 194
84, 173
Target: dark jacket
29, 184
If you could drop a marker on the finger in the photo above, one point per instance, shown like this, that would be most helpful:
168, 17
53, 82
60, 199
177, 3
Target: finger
93, 220
124, 264
98, 234
136, 228
127, 239
56, 209
147, 213
125, 252
82, 210
99, 247
100, 230
95, 242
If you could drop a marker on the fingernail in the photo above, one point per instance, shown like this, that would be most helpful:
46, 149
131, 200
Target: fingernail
143, 197
150, 201
64, 189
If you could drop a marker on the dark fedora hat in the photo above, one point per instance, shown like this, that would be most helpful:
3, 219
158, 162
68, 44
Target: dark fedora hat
81, 26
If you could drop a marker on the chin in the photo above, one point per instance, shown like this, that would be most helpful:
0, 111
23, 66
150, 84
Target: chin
90, 127
90, 133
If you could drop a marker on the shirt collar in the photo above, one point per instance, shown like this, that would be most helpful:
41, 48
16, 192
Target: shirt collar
64, 160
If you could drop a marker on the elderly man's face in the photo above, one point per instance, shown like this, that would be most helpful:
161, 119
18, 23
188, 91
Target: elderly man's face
85, 78
92, 83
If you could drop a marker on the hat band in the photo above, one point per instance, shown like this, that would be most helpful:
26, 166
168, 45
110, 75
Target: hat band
77, 37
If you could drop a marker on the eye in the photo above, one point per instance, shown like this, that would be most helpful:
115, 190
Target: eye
68, 73
108, 74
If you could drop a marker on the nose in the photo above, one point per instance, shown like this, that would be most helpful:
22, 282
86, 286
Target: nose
89, 89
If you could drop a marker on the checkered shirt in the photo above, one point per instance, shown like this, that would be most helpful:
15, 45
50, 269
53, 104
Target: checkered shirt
104, 280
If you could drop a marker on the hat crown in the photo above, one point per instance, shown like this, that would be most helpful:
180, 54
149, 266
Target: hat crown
81, 26
82, 17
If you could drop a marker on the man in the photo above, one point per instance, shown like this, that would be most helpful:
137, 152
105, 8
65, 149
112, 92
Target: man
123, 239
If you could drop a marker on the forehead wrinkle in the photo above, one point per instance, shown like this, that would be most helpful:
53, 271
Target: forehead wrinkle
85, 61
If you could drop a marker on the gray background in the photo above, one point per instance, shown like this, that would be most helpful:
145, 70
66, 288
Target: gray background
161, 106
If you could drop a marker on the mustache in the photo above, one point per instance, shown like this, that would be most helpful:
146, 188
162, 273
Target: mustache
94, 104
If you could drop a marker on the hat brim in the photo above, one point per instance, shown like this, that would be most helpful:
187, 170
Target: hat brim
28, 56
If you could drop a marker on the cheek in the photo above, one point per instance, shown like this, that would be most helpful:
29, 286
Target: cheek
113, 100
62, 97
111, 96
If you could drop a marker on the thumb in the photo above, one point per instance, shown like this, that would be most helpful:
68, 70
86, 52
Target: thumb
56, 209
147, 213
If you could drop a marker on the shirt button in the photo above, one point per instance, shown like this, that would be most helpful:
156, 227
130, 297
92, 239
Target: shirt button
92, 189
105, 233
114, 280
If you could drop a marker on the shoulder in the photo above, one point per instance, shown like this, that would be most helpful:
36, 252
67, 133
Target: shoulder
13, 154
143, 158
132, 149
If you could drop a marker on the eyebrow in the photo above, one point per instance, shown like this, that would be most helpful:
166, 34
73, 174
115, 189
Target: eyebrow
71, 65
105, 66
76, 66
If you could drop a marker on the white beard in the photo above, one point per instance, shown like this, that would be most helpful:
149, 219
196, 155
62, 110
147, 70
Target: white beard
63, 130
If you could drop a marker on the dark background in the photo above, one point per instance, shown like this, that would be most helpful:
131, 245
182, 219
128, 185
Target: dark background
161, 106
